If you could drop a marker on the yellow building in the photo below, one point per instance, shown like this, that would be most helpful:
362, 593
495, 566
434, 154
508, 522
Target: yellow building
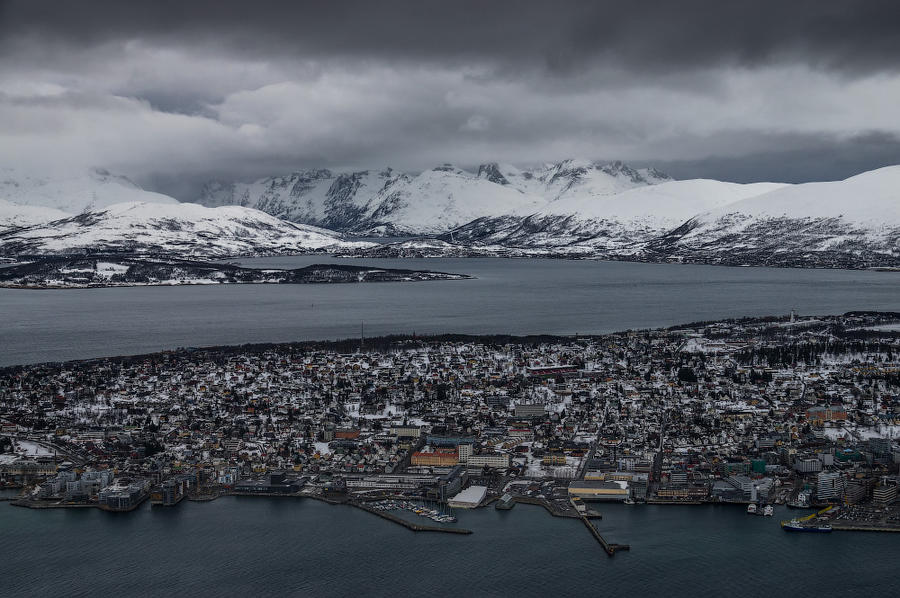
598, 490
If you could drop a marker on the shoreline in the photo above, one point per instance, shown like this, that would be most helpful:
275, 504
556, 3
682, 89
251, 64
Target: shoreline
355, 502
352, 343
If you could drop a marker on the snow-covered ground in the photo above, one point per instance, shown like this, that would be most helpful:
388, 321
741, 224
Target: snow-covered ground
182, 229
16, 215
322, 448
885, 328
853, 431
31, 449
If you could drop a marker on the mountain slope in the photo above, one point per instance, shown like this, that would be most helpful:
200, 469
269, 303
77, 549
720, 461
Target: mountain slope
573, 178
388, 202
320, 197
441, 199
94, 190
15, 215
612, 221
853, 222
179, 229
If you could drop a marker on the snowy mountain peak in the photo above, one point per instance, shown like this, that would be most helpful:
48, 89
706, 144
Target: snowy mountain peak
491, 172
93, 189
434, 201
447, 167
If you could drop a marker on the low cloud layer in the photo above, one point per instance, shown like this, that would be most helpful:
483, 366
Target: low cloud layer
174, 94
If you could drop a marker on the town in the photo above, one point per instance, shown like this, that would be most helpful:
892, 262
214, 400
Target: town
797, 411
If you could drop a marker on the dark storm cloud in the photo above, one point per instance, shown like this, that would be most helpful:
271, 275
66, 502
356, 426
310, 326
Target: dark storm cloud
809, 158
174, 93
656, 35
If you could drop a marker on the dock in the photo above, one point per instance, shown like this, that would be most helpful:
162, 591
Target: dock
608, 547
839, 526
543, 502
416, 527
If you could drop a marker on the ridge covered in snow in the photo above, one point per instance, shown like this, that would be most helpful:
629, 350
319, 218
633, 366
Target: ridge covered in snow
615, 220
15, 215
854, 222
175, 229
93, 190
387, 202
572, 208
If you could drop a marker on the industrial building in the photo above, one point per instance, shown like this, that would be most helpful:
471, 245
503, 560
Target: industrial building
599, 490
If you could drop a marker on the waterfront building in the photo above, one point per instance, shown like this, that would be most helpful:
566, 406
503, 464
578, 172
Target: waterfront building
885, 493
694, 492
469, 498
829, 486
599, 490
274, 483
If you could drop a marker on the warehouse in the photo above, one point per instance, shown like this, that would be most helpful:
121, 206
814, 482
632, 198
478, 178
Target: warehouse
599, 490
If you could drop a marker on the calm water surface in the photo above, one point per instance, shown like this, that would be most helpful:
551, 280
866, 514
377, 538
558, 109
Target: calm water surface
268, 547
508, 296
286, 547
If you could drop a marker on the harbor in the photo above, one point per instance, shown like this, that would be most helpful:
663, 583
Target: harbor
319, 535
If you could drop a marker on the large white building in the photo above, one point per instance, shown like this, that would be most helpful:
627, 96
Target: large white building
469, 498
494, 460
829, 485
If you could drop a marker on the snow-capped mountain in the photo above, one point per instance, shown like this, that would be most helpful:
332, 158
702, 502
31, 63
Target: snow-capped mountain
15, 215
175, 229
608, 221
442, 199
93, 190
388, 202
320, 197
572, 178
853, 222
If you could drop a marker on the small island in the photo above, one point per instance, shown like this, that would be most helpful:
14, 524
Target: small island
91, 271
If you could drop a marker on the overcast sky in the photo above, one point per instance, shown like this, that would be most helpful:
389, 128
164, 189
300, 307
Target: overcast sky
175, 93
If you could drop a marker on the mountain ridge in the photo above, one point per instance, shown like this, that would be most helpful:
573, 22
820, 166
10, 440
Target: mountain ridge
389, 202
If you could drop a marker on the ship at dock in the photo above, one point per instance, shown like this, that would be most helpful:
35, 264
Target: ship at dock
795, 525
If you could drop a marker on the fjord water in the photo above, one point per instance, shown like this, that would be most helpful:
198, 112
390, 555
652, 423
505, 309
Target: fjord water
284, 547
516, 296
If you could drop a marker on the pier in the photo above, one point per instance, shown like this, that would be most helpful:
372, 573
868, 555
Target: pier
608, 547
416, 527
551, 508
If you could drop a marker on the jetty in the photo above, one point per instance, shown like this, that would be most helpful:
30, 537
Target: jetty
609, 547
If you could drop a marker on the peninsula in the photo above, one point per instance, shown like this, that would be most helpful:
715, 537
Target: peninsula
110, 270
756, 413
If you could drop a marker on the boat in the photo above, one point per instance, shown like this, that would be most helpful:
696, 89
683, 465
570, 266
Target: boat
795, 525
769, 510
628, 501
751, 509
